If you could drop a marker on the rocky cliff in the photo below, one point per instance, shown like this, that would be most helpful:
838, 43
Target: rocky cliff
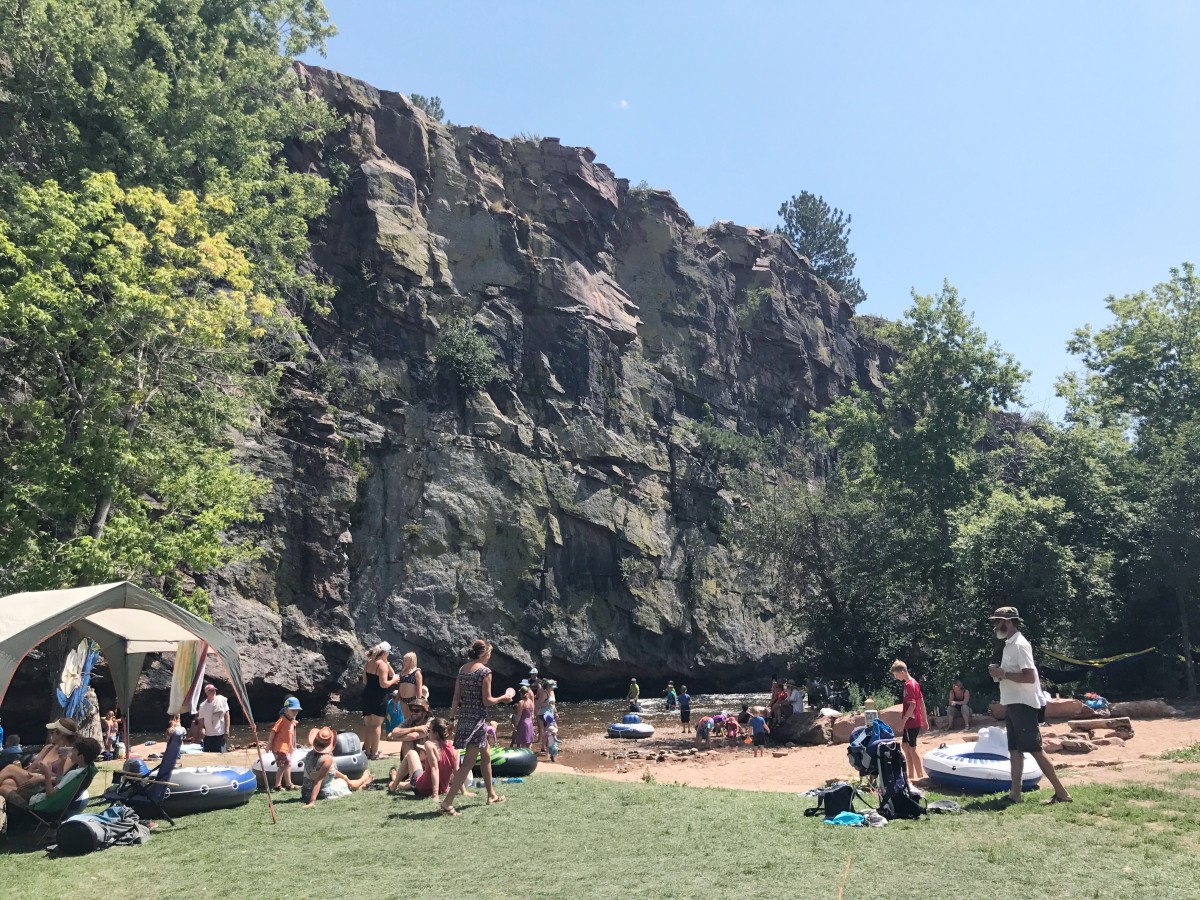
566, 512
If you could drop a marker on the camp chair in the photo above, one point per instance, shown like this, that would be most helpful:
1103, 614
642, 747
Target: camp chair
49, 812
152, 787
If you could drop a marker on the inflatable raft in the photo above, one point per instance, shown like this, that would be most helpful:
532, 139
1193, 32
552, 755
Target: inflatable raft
347, 753
509, 762
201, 790
630, 730
982, 766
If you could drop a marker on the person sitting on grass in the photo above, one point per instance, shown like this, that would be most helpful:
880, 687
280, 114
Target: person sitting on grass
322, 780
427, 770
415, 728
759, 729
959, 702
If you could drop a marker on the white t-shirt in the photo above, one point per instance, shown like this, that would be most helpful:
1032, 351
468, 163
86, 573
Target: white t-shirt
1018, 655
796, 698
212, 713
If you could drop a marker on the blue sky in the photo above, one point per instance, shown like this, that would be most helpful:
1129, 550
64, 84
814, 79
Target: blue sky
1040, 156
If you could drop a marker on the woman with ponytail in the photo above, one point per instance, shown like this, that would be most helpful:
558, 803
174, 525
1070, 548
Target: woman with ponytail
472, 697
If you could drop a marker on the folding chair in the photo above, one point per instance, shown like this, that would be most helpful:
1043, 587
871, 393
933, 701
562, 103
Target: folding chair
149, 789
49, 812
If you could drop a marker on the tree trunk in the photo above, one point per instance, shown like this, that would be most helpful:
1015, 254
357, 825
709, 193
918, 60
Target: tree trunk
1185, 637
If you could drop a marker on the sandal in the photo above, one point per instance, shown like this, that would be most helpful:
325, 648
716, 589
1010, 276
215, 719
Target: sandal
1057, 799
448, 812
500, 798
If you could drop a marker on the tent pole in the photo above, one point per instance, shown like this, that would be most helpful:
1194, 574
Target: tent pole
258, 749
263, 766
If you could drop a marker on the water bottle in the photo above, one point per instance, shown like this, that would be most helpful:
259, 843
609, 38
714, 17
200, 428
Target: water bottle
869, 710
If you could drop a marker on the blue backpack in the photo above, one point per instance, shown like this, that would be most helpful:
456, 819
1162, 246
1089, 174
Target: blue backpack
864, 746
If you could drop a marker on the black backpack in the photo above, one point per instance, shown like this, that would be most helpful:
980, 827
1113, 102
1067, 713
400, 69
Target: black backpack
897, 800
837, 798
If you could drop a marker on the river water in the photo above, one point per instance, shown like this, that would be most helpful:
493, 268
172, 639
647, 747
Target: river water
575, 719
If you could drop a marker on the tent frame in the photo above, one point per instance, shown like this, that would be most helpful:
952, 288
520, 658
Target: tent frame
127, 622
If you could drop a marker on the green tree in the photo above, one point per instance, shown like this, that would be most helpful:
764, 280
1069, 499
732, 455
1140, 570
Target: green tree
822, 234
138, 341
1143, 375
197, 95
918, 445
432, 106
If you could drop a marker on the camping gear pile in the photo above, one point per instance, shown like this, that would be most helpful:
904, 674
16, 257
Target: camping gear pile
875, 754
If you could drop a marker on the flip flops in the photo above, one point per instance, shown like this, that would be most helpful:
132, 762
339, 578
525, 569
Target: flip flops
1057, 799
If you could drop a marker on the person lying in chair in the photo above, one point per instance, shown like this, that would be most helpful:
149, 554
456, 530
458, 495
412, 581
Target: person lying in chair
41, 786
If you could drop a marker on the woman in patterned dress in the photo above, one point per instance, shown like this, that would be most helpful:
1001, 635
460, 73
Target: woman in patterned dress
472, 697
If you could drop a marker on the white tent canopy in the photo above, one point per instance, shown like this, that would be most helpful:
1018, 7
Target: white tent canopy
126, 621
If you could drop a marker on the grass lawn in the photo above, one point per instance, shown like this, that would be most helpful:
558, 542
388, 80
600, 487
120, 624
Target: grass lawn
573, 837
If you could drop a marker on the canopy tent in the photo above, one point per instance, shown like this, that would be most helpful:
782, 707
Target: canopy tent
126, 621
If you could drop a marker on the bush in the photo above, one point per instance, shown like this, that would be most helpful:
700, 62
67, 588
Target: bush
466, 357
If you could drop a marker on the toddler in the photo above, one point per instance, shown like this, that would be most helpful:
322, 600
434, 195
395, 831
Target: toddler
283, 741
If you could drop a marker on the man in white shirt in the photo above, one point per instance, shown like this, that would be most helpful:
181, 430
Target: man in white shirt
1019, 692
214, 713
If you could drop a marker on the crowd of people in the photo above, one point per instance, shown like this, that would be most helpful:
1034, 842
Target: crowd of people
396, 704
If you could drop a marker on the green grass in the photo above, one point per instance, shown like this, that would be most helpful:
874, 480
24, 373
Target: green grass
1189, 754
561, 836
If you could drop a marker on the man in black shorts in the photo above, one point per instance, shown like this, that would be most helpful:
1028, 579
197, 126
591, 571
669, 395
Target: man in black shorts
1019, 696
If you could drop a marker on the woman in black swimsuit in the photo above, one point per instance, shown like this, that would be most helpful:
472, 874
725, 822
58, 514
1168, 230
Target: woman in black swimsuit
411, 682
379, 677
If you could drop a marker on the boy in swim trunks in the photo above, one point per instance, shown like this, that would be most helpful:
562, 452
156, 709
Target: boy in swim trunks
685, 708
759, 729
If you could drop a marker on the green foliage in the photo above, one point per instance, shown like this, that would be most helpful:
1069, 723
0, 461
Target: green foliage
822, 234
465, 356
532, 136
1188, 754
193, 95
753, 299
431, 106
151, 244
135, 341
725, 447
1142, 377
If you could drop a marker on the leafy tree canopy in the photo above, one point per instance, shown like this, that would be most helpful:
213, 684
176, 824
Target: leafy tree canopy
135, 337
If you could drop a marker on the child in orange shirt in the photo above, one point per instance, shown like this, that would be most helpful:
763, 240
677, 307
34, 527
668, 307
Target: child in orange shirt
283, 741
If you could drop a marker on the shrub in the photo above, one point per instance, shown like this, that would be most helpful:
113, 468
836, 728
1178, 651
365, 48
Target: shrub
466, 356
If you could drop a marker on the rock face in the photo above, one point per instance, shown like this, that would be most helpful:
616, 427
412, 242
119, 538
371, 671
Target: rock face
568, 512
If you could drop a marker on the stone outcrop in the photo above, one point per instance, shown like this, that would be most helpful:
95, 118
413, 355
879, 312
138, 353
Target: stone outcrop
568, 512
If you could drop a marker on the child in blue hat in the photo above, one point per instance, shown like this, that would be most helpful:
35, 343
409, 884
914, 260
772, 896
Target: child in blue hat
283, 742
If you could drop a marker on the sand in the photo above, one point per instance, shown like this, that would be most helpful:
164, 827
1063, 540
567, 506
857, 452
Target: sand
803, 768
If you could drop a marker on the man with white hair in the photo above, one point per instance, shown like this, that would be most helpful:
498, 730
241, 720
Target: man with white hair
1019, 691
214, 715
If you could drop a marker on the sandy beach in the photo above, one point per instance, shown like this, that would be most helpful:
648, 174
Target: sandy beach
671, 757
